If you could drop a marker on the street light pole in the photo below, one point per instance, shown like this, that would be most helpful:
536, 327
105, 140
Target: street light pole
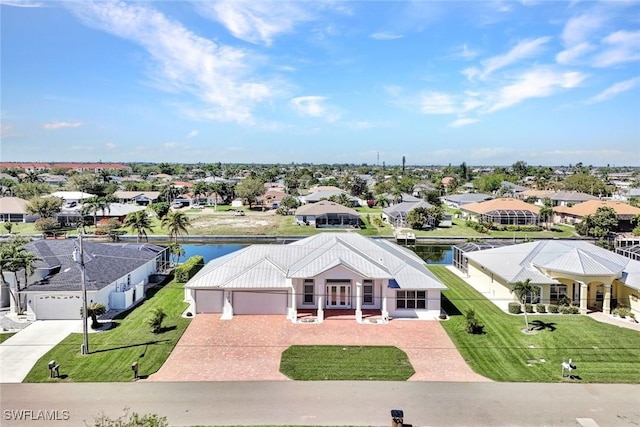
79, 258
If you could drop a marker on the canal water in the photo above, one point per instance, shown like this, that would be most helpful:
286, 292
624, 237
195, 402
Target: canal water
432, 254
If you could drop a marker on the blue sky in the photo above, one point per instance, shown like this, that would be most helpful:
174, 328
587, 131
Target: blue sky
484, 82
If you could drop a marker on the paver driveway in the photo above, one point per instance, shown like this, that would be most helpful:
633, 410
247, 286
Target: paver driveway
248, 348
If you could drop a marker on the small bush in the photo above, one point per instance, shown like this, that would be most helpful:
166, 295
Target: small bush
515, 308
622, 310
564, 300
540, 308
155, 319
553, 308
473, 325
569, 309
188, 269
47, 224
528, 308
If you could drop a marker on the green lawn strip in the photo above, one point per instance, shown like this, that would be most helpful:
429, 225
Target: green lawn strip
5, 336
113, 351
603, 353
358, 363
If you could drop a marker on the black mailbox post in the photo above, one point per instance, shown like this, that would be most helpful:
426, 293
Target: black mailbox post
54, 369
397, 418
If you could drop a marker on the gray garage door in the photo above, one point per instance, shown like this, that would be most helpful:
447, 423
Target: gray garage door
260, 302
209, 301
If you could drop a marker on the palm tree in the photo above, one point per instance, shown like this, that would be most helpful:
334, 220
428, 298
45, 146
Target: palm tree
382, 200
547, 212
523, 289
176, 251
176, 223
95, 204
15, 258
140, 223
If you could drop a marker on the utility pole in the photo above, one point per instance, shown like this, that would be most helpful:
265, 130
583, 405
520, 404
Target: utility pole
78, 256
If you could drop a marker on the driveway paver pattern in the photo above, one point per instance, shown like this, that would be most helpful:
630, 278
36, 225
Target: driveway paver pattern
248, 348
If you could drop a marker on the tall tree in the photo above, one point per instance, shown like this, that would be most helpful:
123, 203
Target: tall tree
92, 205
523, 290
249, 189
44, 207
176, 223
15, 258
140, 223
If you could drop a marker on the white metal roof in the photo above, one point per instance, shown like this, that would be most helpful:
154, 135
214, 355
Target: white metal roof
578, 258
271, 266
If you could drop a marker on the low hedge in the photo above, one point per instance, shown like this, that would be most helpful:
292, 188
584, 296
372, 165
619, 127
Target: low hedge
540, 308
188, 269
528, 308
515, 308
569, 309
553, 308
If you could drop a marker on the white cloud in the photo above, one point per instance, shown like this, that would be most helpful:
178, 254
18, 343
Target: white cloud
217, 75
386, 35
573, 54
255, 21
463, 122
110, 146
466, 53
437, 103
313, 106
61, 125
615, 90
580, 29
172, 145
537, 83
622, 46
192, 134
22, 3
487, 153
523, 50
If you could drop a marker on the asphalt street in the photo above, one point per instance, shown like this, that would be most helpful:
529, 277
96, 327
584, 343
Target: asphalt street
325, 403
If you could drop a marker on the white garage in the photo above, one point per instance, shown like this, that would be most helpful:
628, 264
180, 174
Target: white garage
209, 301
273, 301
55, 307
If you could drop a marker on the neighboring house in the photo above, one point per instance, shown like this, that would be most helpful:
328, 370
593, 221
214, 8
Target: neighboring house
567, 198
457, 200
70, 197
272, 198
511, 189
116, 210
422, 188
55, 180
592, 277
327, 214
342, 271
576, 213
14, 209
326, 194
137, 197
396, 215
116, 275
502, 211
402, 197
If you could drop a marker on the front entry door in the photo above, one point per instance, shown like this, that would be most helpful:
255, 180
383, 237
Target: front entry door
338, 296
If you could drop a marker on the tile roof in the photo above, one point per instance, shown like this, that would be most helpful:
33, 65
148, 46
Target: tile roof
272, 266
13, 205
504, 203
591, 206
324, 207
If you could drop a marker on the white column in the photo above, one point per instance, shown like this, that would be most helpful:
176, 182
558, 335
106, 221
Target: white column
359, 301
320, 309
293, 312
385, 313
606, 303
584, 291
227, 308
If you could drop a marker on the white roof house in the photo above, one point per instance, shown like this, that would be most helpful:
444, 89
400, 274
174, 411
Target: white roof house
586, 273
321, 272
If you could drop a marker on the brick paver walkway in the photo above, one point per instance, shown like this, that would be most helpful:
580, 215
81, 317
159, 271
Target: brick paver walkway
248, 348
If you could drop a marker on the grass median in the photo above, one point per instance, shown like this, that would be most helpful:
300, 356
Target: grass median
129, 340
603, 353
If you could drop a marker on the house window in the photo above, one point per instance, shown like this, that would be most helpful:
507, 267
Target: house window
367, 292
411, 299
556, 292
308, 292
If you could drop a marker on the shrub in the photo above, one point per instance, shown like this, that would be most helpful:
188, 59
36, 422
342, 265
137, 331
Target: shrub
515, 308
46, 224
569, 309
8, 226
94, 310
155, 319
564, 300
133, 420
189, 268
528, 308
473, 325
622, 310
553, 308
540, 308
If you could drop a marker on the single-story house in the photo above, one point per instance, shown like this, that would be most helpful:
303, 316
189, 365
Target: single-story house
505, 211
341, 271
576, 213
514, 190
116, 275
457, 200
327, 214
70, 197
326, 194
396, 215
138, 197
566, 198
14, 209
592, 277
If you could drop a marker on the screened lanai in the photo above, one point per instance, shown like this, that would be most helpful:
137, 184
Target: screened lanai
511, 217
459, 251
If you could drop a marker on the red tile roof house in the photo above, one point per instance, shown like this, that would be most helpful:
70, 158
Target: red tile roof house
502, 211
337, 271
575, 214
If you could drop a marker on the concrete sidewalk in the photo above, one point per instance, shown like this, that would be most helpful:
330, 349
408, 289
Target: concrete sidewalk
20, 353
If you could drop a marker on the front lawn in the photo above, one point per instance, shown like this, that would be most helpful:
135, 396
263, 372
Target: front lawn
113, 351
603, 353
5, 336
353, 363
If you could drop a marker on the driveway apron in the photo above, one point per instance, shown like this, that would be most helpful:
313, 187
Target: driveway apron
248, 348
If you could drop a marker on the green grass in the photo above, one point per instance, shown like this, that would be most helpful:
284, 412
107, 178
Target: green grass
113, 351
5, 336
603, 353
354, 363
